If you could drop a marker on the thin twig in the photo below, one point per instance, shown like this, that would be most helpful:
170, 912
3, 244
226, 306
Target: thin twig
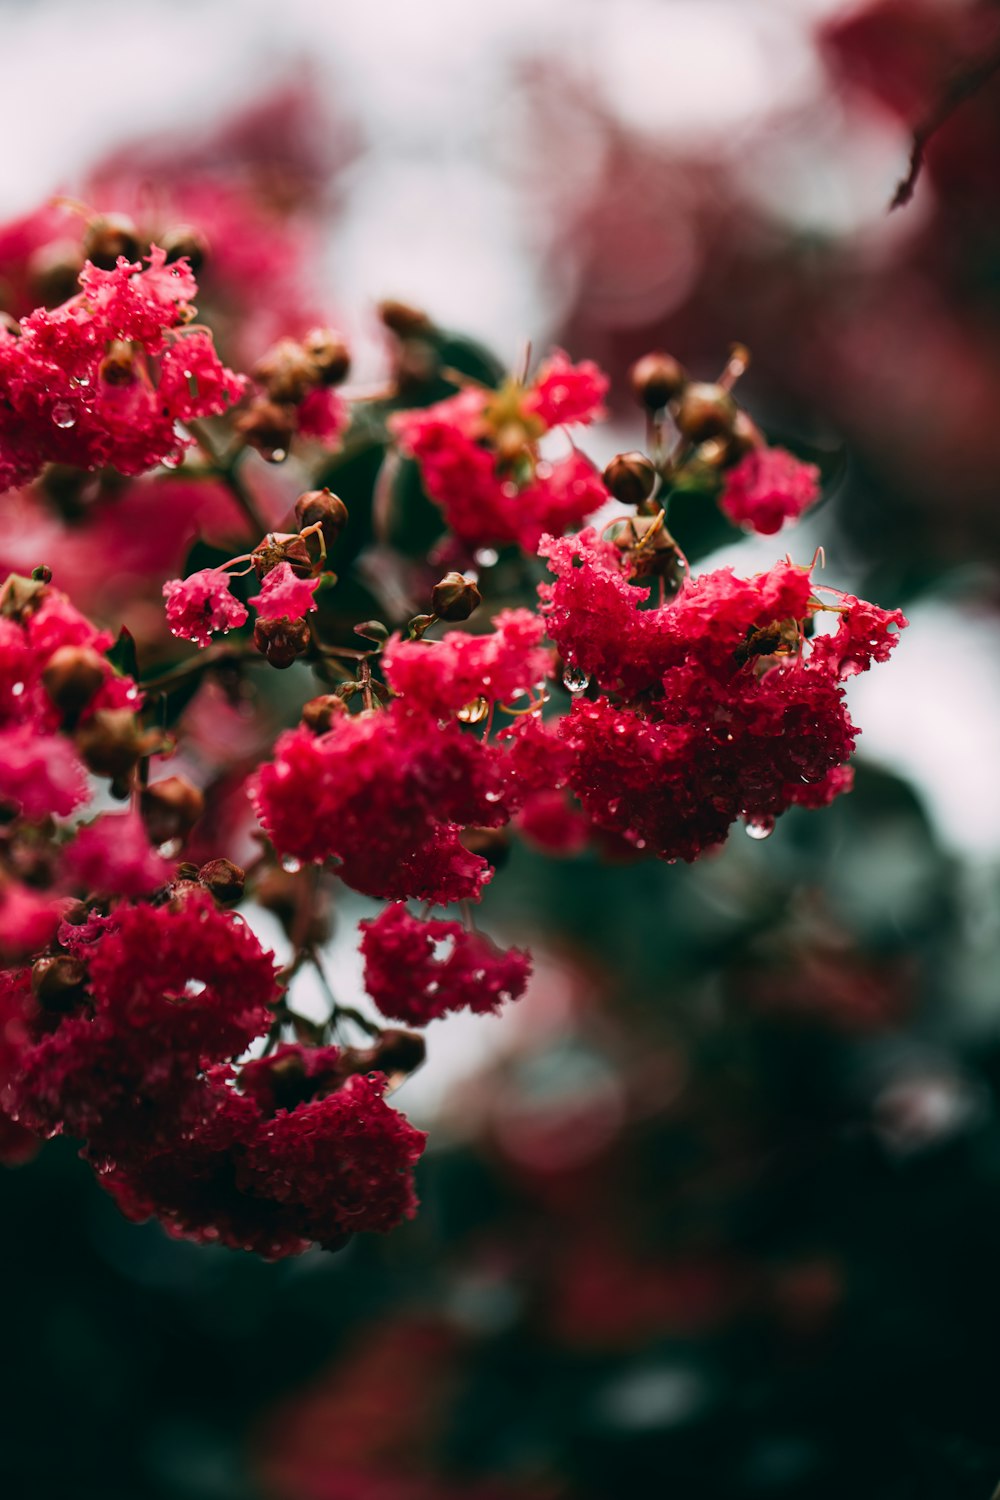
961, 87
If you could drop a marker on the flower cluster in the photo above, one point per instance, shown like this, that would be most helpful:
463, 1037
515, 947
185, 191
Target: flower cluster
106, 377
618, 705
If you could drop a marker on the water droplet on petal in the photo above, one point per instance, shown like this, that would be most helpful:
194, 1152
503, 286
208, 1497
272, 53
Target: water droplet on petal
759, 828
486, 557
194, 987
172, 460
168, 849
63, 415
17, 690
474, 712
275, 455
576, 680
291, 865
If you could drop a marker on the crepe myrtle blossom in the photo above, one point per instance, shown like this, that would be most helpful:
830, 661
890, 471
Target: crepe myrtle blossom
584, 690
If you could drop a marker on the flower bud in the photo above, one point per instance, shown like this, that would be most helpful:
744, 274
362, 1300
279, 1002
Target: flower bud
9, 324
170, 808
111, 742
281, 892
286, 371
630, 477
705, 411
657, 379
326, 509
652, 551
41, 574
268, 428
185, 242
108, 237
281, 641
455, 597
404, 321
319, 713
744, 438
57, 983
71, 677
278, 547
329, 353
398, 1051
118, 365
224, 879
54, 273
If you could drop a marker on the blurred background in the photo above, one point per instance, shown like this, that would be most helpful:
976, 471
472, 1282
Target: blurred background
715, 1210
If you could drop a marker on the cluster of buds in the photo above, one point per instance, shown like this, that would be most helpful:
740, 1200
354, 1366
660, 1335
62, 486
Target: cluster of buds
295, 394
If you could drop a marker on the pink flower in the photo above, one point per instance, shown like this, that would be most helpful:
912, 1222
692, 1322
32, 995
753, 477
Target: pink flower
40, 773
201, 604
768, 487
284, 595
103, 378
411, 981
440, 677
563, 393
387, 795
112, 855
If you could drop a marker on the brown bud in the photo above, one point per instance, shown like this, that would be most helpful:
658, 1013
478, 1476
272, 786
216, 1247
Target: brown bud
398, 1051
286, 371
111, 742
325, 508
108, 237
278, 547
118, 365
329, 353
185, 242
281, 641
705, 411
493, 844
630, 477
170, 808
744, 438
9, 324
71, 676
652, 551
54, 272
404, 321
455, 597
282, 893
268, 428
657, 379
224, 879
57, 983
319, 713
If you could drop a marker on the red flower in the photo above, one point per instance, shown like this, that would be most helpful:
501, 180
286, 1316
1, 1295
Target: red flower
283, 595
410, 981
201, 604
768, 487
440, 677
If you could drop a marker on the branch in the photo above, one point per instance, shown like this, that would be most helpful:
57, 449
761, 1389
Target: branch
962, 86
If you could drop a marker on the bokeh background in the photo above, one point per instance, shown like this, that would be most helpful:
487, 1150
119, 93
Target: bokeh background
715, 1210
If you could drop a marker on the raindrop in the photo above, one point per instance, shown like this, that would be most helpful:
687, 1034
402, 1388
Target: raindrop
291, 865
169, 849
474, 712
492, 796
17, 690
576, 680
63, 415
172, 460
194, 987
759, 828
487, 556
275, 455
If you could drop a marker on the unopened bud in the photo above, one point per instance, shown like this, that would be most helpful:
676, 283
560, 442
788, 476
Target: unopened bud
282, 893
108, 237
281, 641
224, 879
54, 272
656, 380
417, 626
404, 321
705, 411
319, 713
630, 477
170, 808
185, 242
744, 438
323, 508
57, 983
455, 597
111, 742
329, 353
9, 324
268, 428
71, 677
41, 574
398, 1051
286, 371
118, 365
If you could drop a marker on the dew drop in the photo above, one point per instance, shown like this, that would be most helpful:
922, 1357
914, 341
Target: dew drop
291, 865
63, 415
576, 680
759, 828
275, 455
169, 849
194, 987
172, 460
17, 690
487, 556
492, 796
474, 712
